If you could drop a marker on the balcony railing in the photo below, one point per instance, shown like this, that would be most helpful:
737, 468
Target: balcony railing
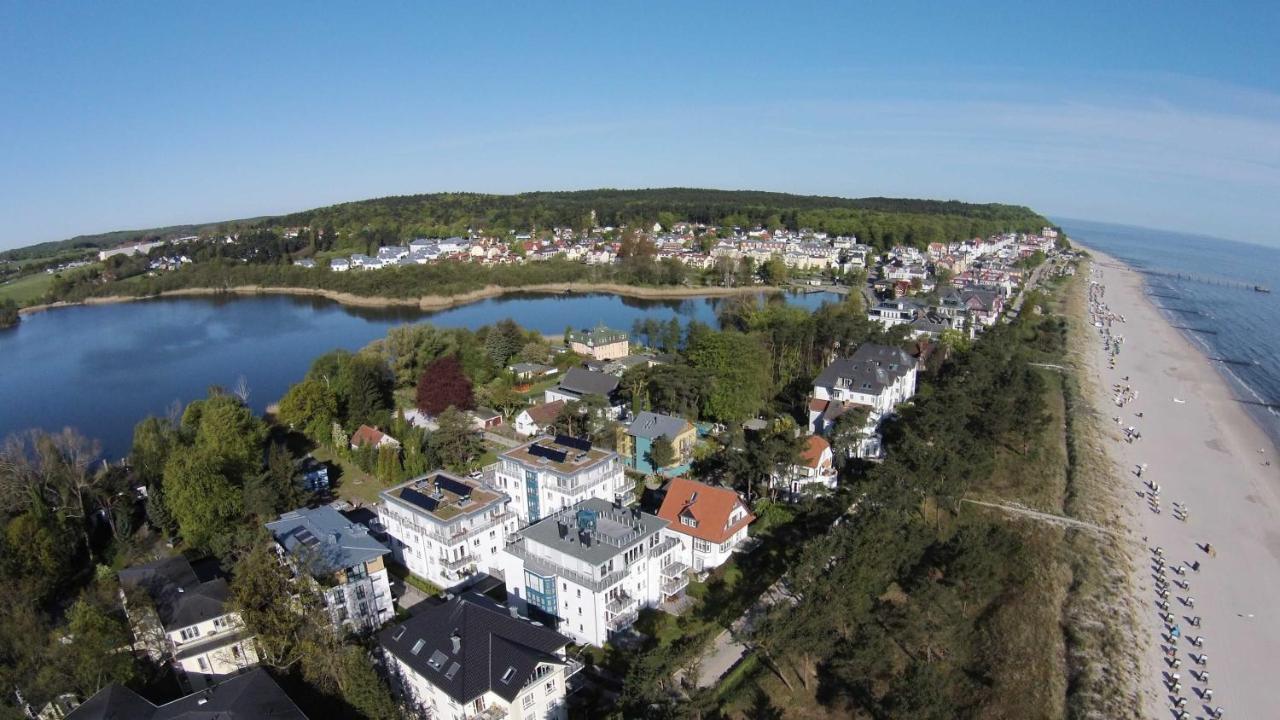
458, 564
671, 586
625, 620
674, 569
620, 603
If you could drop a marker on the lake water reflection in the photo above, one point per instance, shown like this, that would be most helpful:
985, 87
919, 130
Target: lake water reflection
102, 368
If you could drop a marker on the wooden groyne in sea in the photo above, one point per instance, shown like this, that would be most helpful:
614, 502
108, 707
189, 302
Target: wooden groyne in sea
1206, 279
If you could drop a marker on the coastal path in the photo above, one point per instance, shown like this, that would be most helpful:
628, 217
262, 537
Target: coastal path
1050, 518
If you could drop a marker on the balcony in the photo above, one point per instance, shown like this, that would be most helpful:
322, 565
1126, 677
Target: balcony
458, 564
671, 586
674, 569
492, 712
623, 621
620, 603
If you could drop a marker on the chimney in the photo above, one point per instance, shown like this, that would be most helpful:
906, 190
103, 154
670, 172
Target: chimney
457, 642
513, 612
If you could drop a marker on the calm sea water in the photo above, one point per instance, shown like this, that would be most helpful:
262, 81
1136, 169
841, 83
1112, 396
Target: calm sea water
102, 368
1247, 322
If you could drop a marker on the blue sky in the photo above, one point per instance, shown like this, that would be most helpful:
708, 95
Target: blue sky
129, 115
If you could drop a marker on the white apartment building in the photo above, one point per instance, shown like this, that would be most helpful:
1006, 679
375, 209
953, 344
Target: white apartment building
446, 529
708, 521
589, 569
321, 544
185, 619
877, 377
472, 659
550, 474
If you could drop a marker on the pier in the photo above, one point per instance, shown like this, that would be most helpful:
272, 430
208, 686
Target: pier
1207, 280
1229, 361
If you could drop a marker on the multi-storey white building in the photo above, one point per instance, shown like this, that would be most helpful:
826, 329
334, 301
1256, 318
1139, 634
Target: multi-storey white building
551, 474
589, 569
446, 529
187, 620
709, 522
321, 544
876, 377
471, 659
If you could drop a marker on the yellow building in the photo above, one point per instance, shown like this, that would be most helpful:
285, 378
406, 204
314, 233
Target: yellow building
601, 343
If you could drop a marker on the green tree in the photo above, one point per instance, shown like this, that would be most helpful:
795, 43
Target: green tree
456, 441
739, 369
9, 316
228, 434
310, 407
503, 341
662, 453
206, 505
153, 438
98, 653
276, 489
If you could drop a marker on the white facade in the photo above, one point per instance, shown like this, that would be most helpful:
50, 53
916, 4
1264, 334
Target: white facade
596, 587
453, 543
541, 699
539, 486
213, 650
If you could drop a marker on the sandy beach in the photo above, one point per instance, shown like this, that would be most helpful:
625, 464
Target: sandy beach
1202, 449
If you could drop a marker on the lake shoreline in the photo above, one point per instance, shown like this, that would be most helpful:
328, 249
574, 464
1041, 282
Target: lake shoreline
428, 302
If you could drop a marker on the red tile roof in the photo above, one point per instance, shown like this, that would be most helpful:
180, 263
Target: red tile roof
708, 505
365, 435
546, 413
811, 456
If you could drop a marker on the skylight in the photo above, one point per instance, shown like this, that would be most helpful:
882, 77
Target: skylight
510, 673
417, 647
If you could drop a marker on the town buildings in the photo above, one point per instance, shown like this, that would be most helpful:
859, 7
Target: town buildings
537, 419
552, 473
471, 659
600, 343
815, 472
446, 529
372, 436
635, 442
588, 569
578, 384
187, 620
708, 521
347, 563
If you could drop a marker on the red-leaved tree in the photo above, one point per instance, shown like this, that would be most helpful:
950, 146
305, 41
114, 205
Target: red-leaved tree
443, 385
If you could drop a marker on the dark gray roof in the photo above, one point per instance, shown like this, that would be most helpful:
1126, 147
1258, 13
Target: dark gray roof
325, 539
870, 369
529, 367
581, 381
651, 425
490, 642
181, 599
251, 696
616, 529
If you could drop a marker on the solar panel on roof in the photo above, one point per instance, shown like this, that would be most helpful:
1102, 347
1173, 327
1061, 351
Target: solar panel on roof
548, 453
572, 442
457, 487
453, 670
414, 497
306, 538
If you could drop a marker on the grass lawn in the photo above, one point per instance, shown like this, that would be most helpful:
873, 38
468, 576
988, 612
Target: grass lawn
27, 290
354, 485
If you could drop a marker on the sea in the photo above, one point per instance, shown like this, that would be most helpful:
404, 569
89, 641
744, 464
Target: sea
1204, 285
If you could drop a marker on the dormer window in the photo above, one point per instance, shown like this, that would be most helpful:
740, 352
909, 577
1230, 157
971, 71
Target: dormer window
688, 520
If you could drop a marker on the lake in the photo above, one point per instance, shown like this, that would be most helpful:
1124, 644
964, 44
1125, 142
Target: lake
102, 368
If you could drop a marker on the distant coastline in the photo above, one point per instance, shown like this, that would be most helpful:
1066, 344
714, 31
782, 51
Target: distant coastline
429, 302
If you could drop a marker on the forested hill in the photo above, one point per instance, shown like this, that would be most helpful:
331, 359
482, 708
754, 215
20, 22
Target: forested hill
875, 220
869, 218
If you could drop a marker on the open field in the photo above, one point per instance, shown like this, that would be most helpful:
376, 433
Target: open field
28, 289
